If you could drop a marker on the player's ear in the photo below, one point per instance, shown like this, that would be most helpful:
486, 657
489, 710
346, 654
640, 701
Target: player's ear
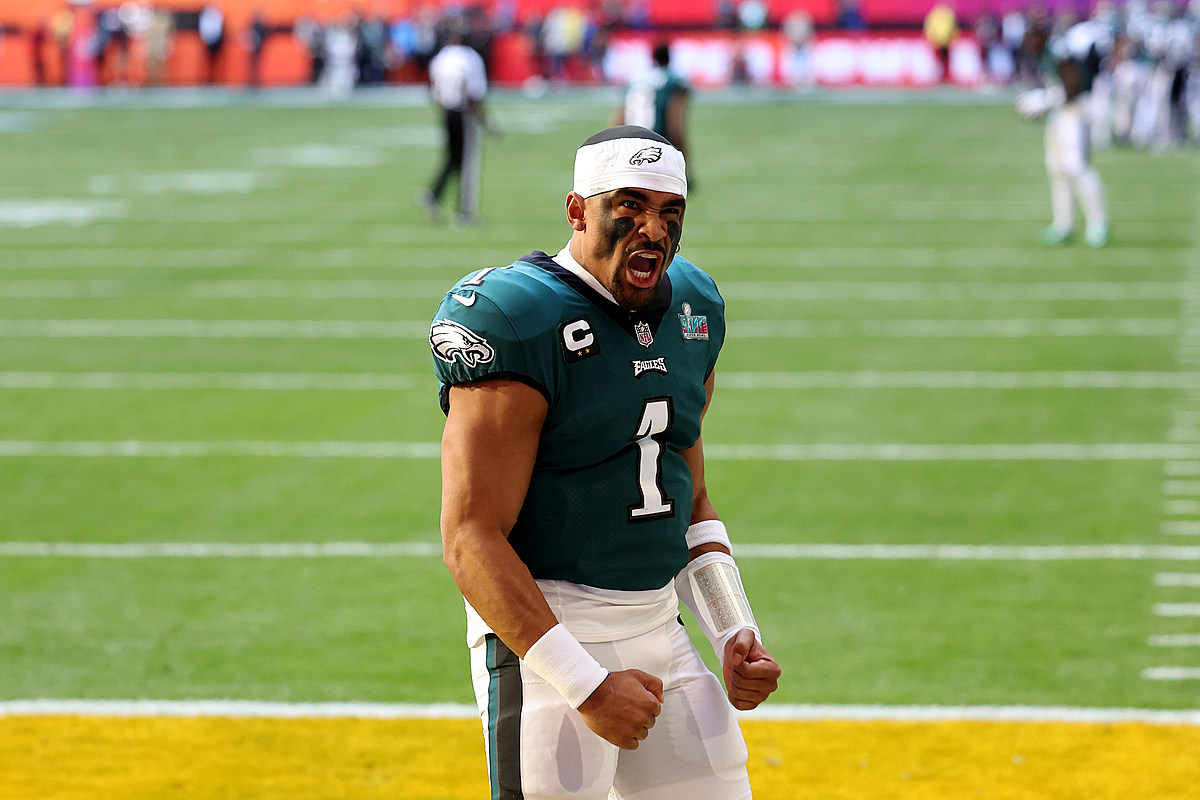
575, 210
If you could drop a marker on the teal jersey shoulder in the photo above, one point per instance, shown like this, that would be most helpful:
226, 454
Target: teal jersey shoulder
610, 497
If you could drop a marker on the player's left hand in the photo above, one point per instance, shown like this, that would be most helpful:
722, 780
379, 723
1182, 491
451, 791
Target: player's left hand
751, 674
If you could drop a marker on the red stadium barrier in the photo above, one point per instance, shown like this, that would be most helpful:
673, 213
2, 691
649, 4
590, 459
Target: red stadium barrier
707, 57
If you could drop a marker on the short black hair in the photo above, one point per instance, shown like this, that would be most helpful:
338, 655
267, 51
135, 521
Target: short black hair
625, 132
662, 55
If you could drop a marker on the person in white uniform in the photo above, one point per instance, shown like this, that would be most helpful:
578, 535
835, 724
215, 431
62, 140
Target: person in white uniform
1069, 62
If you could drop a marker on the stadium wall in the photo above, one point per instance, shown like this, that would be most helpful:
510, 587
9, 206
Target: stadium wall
709, 58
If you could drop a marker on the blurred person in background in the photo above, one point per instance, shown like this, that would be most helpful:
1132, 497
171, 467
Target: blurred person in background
61, 26
575, 511
255, 39
797, 29
458, 84
212, 33
1171, 43
341, 56
658, 101
1013, 26
1107, 28
1069, 61
311, 35
37, 49
160, 42
941, 29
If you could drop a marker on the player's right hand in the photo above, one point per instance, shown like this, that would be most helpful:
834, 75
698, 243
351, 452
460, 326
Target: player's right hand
624, 708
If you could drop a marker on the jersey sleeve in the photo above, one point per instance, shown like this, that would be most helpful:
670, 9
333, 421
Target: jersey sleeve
475, 337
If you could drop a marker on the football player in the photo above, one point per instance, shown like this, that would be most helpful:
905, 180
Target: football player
575, 513
1069, 62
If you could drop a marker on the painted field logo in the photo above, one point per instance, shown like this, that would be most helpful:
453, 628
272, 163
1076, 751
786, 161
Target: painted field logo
694, 327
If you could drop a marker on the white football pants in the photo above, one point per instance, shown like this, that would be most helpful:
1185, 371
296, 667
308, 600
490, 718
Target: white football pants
1073, 179
539, 748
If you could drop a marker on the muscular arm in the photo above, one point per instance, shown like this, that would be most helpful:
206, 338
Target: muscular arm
488, 451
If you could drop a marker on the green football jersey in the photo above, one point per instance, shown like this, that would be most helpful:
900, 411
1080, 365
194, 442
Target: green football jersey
610, 498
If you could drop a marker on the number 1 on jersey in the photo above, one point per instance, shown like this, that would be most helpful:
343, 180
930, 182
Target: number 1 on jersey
657, 415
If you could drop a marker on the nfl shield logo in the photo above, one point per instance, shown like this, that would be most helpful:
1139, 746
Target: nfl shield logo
644, 336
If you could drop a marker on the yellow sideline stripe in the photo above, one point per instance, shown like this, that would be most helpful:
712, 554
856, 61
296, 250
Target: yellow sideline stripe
209, 758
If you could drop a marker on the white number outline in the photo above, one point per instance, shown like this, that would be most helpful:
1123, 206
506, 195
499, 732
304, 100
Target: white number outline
658, 414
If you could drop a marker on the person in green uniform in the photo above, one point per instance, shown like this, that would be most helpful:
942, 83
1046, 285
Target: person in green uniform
658, 101
575, 513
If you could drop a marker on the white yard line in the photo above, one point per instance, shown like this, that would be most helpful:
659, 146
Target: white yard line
256, 288
1177, 579
432, 549
1177, 609
267, 381
1180, 527
1175, 640
744, 381
254, 709
210, 449
967, 258
1171, 674
752, 329
1151, 451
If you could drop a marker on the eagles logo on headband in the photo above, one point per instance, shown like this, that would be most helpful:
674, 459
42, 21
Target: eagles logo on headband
629, 157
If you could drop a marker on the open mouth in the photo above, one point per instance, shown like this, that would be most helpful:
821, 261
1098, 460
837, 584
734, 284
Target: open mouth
643, 265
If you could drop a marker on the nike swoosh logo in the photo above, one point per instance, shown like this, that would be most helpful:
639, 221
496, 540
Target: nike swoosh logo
467, 300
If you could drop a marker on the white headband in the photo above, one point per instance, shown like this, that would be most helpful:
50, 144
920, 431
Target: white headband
629, 163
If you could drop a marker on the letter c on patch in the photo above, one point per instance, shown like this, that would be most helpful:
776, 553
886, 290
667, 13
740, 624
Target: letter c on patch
578, 335
578, 340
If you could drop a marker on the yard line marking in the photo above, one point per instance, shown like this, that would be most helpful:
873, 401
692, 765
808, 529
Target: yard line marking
952, 328
1175, 640
954, 452
285, 381
956, 552
1177, 610
1180, 527
186, 256
140, 550
1177, 579
952, 290
886, 379
15, 448
210, 449
781, 712
1181, 487
1182, 508
269, 381
752, 329
433, 549
1171, 674
250, 288
213, 329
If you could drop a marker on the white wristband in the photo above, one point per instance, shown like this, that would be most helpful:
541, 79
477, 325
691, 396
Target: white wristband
708, 531
560, 660
711, 587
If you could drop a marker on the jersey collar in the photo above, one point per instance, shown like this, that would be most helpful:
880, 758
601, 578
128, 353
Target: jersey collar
569, 271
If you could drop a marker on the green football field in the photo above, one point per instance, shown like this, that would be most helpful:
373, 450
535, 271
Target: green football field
962, 468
